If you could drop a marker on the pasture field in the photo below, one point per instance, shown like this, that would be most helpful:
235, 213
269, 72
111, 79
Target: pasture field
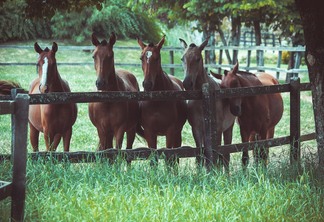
103, 192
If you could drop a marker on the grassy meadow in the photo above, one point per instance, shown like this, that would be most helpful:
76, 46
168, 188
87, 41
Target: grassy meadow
103, 192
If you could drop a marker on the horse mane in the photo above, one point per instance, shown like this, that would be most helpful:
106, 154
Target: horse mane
46, 49
192, 45
245, 73
151, 44
6, 86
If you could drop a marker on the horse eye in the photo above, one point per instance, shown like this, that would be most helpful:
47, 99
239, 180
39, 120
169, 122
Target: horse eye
182, 59
93, 57
141, 58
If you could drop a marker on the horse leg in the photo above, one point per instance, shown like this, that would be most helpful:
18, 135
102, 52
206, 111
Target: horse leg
66, 140
245, 155
105, 140
119, 139
199, 141
151, 140
177, 140
55, 142
130, 140
261, 154
34, 137
173, 140
228, 135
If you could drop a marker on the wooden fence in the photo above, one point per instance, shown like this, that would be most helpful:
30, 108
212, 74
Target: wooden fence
207, 96
220, 64
16, 188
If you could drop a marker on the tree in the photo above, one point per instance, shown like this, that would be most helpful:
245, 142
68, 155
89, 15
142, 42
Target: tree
312, 17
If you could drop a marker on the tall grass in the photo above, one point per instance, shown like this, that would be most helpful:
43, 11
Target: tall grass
103, 192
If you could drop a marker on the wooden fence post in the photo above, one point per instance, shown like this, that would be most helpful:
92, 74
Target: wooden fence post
209, 120
19, 154
248, 61
220, 60
279, 63
171, 53
294, 120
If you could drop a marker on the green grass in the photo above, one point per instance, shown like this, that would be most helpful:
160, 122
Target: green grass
102, 192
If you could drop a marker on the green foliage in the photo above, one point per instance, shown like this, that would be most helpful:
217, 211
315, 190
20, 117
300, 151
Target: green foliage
14, 26
76, 23
111, 18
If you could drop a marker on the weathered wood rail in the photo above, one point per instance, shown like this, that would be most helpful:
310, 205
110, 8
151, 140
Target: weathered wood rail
208, 97
17, 187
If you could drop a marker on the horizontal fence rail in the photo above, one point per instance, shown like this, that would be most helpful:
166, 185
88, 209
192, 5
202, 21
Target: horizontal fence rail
185, 151
172, 65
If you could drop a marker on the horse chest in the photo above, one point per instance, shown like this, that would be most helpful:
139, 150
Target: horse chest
159, 113
108, 114
60, 117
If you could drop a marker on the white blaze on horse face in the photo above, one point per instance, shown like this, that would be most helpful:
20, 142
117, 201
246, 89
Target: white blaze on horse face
44, 72
148, 56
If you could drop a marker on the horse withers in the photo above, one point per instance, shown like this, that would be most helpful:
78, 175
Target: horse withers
54, 120
113, 119
160, 118
257, 115
195, 76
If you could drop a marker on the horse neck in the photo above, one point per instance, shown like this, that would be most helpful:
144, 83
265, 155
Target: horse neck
163, 81
56, 85
201, 79
115, 83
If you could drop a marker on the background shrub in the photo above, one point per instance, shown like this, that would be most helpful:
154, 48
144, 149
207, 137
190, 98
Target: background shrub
14, 25
77, 26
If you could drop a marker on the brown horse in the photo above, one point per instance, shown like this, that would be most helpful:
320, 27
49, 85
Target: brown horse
54, 120
160, 118
113, 119
195, 77
6, 86
257, 115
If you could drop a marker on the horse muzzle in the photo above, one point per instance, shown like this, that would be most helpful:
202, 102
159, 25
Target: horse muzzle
147, 85
235, 110
43, 88
187, 84
100, 84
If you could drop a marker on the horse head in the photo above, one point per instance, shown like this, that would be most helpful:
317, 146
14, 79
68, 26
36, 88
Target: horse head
151, 63
192, 62
103, 56
231, 80
46, 66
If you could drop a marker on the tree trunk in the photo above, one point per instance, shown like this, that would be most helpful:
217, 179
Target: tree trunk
236, 36
312, 15
210, 57
258, 41
222, 36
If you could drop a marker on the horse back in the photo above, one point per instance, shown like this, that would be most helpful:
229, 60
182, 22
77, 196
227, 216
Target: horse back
274, 100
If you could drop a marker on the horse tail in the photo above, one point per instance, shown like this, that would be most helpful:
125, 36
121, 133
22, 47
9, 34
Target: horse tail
6, 86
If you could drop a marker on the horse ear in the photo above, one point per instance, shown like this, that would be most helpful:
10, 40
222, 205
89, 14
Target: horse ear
54, 47
94, 40
37, 48
235, 69
203, 45
216, 75
183, 43
112, 39
141, 43
161, 42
